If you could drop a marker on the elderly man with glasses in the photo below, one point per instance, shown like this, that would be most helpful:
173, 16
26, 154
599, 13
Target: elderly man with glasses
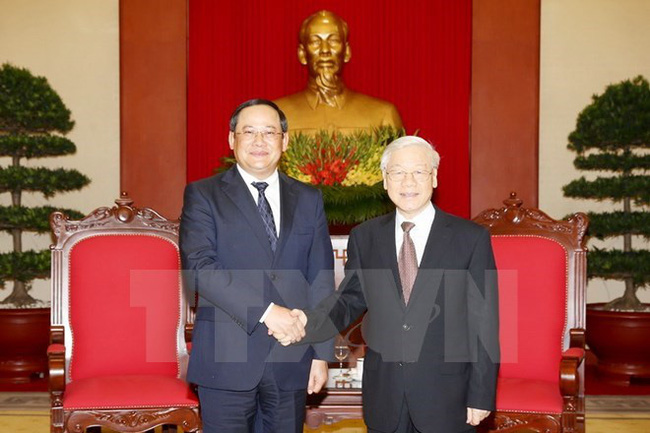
427, 280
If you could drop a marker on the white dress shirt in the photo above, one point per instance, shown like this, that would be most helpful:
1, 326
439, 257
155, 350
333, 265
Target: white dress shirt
419, 233
272, 192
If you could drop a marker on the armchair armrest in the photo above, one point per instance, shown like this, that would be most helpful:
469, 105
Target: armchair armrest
577, 338
570, 382
189, 330
56, 366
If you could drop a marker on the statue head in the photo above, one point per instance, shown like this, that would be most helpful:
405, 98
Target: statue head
323, 47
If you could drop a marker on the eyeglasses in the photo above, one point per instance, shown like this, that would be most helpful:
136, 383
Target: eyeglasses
267, 134
400, 175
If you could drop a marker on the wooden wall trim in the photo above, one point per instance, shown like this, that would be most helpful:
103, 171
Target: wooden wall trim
153, 70
504, 131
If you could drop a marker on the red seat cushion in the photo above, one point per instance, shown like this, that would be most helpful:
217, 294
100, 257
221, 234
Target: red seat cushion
525, 395
116, 392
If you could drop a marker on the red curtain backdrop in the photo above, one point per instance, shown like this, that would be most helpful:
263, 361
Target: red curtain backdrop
414, 53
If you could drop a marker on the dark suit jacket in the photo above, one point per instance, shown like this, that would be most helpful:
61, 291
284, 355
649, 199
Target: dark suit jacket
441, 351
228, 261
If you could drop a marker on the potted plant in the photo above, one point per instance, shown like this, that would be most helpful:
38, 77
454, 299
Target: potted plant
345, 167
612, 136
33, 120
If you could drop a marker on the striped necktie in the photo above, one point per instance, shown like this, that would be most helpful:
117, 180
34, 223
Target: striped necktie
407, 262
267, 215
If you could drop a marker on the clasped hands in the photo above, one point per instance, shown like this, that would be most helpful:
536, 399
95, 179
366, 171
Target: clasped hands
287, 326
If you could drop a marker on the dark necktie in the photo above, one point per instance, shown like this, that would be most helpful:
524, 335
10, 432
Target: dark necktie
407, 262
267, 215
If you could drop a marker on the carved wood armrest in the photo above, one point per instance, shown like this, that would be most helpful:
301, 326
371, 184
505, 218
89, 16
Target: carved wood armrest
569, 374
189, 330
577, 338
56, 365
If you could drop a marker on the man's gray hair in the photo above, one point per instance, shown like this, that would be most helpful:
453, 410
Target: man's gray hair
407, 141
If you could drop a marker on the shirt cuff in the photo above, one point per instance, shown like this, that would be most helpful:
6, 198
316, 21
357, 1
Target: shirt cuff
266, 313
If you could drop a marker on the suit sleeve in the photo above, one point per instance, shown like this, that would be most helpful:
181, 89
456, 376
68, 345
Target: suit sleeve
320, 273
336, 312
240, 295
483, 316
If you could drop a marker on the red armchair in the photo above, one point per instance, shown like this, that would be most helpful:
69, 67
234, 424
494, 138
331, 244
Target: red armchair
119, 319
542, 276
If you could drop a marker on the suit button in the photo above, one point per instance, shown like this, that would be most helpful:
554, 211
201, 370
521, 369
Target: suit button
400, 364
406, 327
272, 276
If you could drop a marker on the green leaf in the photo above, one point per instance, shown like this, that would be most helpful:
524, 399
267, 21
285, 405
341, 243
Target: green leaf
32, 219
612, 224
45, 180
354, 204
29, 104
617, 119
612, 188
625, 162
619, 265
35, 146
24, 266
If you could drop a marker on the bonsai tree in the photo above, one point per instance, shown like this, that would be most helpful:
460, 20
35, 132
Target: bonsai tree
613, 135
32, 121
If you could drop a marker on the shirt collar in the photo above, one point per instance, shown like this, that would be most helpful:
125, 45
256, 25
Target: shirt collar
423, 219
249, 178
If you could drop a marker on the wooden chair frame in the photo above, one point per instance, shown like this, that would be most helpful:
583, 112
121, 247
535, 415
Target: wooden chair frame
515, 220
120, 219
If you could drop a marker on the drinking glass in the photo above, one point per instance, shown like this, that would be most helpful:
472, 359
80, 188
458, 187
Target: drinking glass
341, 352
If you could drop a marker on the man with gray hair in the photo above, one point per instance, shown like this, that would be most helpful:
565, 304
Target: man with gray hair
427, 280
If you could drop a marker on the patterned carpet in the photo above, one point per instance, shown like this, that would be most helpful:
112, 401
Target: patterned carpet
595, 404
24, 401
27, 412
631, 404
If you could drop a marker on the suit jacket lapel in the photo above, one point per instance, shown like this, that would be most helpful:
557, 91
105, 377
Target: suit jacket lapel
288, 203
238, 192
388, 251
437, 246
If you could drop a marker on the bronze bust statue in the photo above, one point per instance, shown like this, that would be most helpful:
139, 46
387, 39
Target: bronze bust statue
327, 103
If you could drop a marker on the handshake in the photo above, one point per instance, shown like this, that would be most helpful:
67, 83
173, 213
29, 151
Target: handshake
287, 326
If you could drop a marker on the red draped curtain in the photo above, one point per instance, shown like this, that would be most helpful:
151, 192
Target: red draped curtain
414, 53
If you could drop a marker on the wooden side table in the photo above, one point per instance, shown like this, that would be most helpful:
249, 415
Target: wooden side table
332, 405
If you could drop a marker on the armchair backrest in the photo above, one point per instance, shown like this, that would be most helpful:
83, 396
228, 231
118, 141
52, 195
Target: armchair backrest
541, 264
117, 298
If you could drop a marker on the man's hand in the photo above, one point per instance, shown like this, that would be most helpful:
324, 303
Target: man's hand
317, 376
284, 326
300, 315
475, 416
285, 339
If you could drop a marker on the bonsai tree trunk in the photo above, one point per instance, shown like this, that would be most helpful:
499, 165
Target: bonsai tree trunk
629, 301
19, 296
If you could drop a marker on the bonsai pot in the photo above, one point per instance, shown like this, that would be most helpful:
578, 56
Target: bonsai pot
24, 340
621, 342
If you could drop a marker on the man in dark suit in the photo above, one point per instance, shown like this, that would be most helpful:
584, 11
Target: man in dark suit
255, 244
428, 282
